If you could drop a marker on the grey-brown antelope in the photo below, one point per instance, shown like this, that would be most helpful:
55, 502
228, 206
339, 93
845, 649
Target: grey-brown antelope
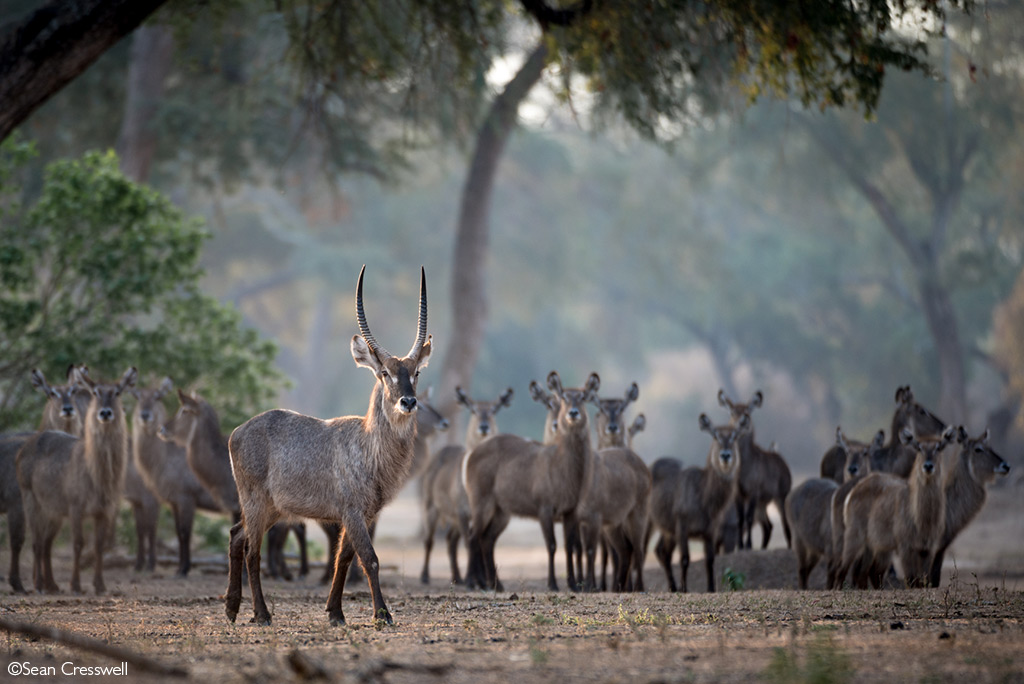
164, 468
859, 459
429, 421
764, 477
693, 502
64, 476
342, 470
614, 508
972, 468
443, 494
509, 475
10, 503
896, 457
64, 408
885, 515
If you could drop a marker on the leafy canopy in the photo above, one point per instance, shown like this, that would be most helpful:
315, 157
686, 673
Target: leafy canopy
100, 271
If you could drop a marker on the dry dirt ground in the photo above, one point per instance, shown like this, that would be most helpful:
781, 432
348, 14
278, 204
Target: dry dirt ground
970, 629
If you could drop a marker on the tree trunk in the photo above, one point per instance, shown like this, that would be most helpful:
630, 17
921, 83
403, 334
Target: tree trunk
56, 43
152, 47
469, 294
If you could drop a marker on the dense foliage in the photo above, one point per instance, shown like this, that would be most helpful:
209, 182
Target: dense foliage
100, 271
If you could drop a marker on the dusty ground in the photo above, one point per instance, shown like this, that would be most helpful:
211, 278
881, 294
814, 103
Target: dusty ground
970, 629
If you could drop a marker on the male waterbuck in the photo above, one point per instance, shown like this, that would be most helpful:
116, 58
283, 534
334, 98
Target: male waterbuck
885, 514
764, 477
342, 470
508, 475
693, 502
64, 476
442, 492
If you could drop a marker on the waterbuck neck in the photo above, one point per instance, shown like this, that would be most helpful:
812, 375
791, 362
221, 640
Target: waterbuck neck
573, 455
388, 444
927, 500
105, 450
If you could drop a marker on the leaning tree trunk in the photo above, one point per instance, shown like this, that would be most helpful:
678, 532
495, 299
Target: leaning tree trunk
469, 296
152, 48
54, 44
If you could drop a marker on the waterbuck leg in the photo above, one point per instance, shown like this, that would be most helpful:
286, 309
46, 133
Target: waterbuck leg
547, 528
300, 535
103, 523
360, 537
342, 561
429, 528
236, 555
663, 551
254, 540
16, 531
140, 537
453, 538
184, 515
77, 541
709, 561
571, 537
934, 573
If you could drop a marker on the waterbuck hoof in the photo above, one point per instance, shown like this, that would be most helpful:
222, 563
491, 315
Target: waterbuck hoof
261, 620
425, 578
336, 618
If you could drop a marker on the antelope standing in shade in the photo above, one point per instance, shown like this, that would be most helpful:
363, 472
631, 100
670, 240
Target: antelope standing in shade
64, 476
444, 496
342, 470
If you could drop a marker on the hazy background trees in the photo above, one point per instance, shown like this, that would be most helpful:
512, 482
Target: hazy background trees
821, 257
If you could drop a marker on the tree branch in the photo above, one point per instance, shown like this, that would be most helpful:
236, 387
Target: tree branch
55, 44
550, 16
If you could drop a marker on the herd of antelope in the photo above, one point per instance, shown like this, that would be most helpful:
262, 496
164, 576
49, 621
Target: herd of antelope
875, 502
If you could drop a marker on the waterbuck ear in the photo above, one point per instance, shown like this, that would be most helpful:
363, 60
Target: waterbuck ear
961, 434
461, 396
948, 434
757, 399
722, 399
906, 437
363, 355
555, 382
128, 379
984, 437
166, 385
744, 423
704, 422
423, 358
840, 440
639, 423
633, 393
506, 398
593, 384
39, 381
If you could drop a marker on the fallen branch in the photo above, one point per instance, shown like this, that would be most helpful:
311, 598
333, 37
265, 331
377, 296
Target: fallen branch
86, 643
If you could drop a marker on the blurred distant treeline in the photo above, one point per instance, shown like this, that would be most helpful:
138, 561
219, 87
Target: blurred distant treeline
823, 257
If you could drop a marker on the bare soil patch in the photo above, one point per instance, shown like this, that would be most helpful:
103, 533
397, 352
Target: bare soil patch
971, 629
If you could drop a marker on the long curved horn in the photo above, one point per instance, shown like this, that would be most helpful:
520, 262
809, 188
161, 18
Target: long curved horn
421, 329
364, 329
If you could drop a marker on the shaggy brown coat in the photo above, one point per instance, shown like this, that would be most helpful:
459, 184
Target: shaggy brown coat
64, 476
693, 502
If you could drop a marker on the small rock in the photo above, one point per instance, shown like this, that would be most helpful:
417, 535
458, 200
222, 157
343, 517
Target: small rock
897, 624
